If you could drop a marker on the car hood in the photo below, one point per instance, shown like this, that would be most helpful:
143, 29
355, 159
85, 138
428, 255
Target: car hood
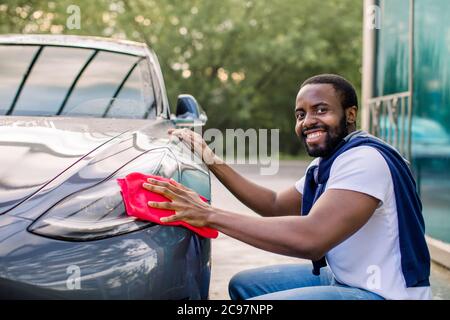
35, 151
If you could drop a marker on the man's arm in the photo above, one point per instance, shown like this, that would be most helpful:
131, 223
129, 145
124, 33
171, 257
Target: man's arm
335, 216
262, 200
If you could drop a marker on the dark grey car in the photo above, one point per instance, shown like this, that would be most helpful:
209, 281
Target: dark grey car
75, 114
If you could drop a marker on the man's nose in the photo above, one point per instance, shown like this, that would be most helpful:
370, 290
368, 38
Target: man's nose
309, 121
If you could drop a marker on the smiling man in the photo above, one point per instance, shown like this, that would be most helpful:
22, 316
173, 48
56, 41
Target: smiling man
355, 213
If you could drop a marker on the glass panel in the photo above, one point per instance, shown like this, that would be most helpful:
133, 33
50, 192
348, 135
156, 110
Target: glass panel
431, 131
132, 90
14, 63
100, 80
95, 80
47, 85
392, 56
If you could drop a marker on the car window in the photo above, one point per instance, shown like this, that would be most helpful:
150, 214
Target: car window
52, 81
14, 62
132, 91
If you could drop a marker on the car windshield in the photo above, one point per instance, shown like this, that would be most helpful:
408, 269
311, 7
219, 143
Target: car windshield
68, 81
109, 108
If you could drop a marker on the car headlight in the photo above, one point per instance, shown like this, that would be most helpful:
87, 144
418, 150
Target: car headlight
99, 212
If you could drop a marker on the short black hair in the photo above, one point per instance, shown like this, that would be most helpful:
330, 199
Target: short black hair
340, 84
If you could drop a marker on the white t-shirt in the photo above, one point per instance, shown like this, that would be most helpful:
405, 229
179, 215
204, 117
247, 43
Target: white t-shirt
370, 258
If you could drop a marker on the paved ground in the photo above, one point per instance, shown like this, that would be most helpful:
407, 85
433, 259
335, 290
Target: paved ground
230, 256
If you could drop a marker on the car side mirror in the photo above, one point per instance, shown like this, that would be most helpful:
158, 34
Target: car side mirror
188, 112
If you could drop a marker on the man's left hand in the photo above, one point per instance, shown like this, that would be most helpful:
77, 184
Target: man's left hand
184, 201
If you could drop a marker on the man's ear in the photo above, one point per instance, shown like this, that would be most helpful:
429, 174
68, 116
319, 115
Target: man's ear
351, 113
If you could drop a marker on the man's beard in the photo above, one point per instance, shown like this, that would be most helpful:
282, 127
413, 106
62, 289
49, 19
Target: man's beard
332, 139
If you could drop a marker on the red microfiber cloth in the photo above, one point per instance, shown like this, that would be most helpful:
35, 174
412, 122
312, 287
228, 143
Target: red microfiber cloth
136, 199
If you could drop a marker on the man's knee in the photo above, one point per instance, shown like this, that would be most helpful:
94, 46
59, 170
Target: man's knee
237, 286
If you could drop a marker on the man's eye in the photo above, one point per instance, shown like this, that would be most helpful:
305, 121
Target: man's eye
321, 110
300, 115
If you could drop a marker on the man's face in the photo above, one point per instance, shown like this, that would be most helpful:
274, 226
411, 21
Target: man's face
321, 122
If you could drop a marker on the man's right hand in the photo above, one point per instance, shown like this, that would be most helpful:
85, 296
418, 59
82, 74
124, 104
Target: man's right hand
197, 144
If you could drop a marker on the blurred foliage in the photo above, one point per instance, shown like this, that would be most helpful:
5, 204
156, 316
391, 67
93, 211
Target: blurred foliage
242, 60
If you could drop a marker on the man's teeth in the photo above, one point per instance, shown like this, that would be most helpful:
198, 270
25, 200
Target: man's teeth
314, 135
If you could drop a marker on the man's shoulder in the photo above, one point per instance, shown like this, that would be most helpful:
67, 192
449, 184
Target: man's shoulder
363, 159
362, 169
363, 156
366, 153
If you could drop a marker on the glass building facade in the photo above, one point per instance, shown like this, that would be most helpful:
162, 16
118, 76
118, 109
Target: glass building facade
407, 99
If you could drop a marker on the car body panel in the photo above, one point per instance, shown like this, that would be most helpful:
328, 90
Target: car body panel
104, 146
130, 266
46, 160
